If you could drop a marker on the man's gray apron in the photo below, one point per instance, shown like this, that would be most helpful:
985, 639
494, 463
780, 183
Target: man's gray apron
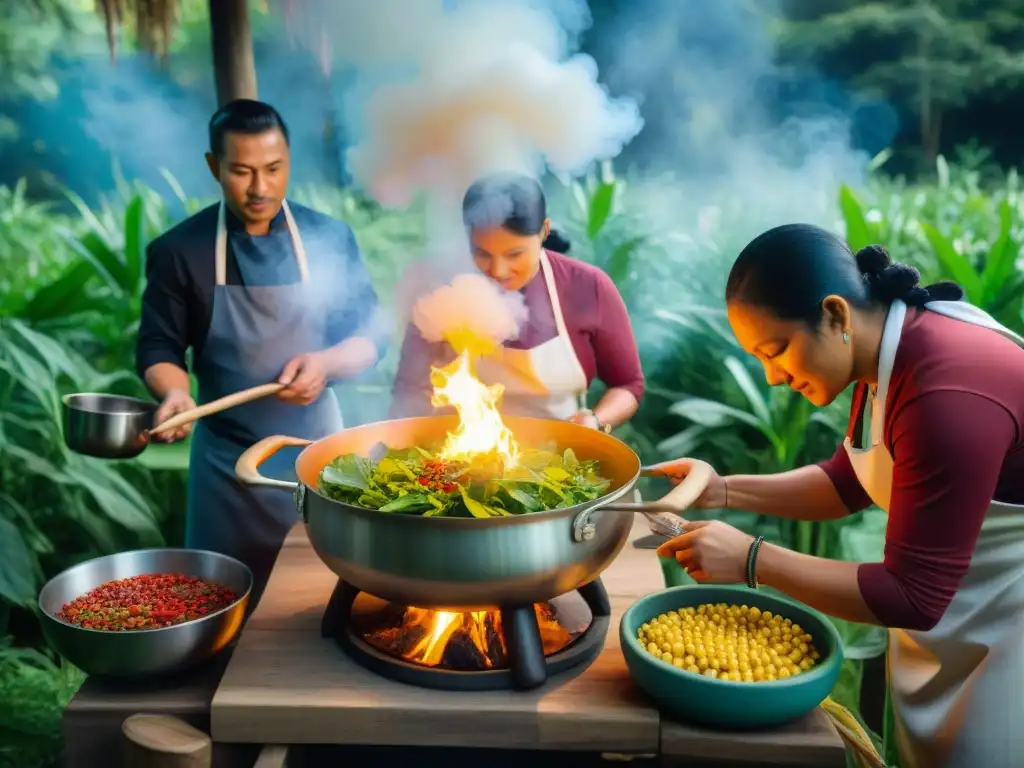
255, 329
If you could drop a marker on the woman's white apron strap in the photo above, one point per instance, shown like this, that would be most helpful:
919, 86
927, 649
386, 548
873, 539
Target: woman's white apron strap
563, 330
886, 357
547, 381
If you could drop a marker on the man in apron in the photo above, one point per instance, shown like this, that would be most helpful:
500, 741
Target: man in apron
259, 291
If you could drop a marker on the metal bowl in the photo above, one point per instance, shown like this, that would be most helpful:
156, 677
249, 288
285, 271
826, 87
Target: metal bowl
724, 703
144, 652
107, 426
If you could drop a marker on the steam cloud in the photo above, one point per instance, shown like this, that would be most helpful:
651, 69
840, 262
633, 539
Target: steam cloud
492, 85
477, 87
470, 302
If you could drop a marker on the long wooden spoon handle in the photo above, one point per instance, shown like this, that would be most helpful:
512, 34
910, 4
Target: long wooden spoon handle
229, 401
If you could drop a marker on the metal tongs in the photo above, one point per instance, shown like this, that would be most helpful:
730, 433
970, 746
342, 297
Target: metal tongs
664, 523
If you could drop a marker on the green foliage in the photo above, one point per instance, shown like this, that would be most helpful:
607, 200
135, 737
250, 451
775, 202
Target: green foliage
930, 55
35, 691
959, 232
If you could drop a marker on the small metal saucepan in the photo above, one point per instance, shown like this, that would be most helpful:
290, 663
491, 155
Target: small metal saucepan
117, 427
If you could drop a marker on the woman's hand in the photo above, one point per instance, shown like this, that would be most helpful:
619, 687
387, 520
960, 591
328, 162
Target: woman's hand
586, 418
176, 401
715, 496
711, 551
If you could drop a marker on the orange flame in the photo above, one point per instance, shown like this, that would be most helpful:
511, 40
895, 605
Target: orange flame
481, 434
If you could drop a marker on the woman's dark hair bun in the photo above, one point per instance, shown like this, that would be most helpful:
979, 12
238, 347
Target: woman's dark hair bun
901, 281
555, 242
872, 259
889, 281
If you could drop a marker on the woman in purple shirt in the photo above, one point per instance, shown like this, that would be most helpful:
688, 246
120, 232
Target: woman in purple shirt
577, 329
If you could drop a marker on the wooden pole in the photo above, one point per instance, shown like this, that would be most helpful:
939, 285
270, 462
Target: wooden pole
233, 63
162, 741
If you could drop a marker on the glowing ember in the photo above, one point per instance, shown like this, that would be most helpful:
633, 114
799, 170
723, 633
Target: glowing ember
481, 437
461, 641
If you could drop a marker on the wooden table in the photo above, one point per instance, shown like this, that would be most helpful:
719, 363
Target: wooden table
285, 684
92, 720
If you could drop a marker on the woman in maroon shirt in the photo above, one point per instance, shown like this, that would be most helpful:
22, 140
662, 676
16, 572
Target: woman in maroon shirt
577, 328
936, 438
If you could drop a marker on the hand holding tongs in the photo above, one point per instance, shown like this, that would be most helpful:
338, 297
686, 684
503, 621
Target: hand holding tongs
663, 516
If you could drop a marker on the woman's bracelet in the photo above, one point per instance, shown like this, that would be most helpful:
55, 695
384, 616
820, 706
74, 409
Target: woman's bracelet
752, 562
725, 482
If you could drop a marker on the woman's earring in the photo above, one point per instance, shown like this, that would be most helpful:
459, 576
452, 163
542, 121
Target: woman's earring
846, 338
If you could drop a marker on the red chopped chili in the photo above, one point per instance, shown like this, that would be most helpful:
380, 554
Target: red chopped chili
146, 602
438, 475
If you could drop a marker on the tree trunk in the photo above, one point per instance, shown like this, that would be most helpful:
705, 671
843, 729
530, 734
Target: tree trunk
233, 63
932, 138
929, 116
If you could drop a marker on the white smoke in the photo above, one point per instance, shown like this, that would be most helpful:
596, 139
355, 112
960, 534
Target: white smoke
476, 87
470, 302
452, 91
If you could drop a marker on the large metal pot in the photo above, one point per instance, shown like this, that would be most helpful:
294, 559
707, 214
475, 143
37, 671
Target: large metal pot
144, 652
462, 563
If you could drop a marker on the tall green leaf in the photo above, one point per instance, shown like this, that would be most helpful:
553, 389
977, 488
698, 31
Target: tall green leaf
600, 208
750, 390
956, 266
708, 413
1001, 259
858, 234
17, 569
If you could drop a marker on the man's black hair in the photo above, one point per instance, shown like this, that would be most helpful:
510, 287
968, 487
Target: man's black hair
243, 116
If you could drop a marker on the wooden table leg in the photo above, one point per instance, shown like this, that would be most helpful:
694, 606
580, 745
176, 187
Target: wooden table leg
273, 756
162, 741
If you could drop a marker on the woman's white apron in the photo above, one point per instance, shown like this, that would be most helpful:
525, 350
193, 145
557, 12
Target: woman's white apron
958, 689
547, 381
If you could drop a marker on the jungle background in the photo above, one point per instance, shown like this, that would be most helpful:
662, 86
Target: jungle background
890, 122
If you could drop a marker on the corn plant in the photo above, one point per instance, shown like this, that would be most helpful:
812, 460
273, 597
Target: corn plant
959, 232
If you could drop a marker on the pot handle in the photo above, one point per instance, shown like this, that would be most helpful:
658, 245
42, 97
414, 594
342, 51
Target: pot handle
682, 497
247, 468
674, 502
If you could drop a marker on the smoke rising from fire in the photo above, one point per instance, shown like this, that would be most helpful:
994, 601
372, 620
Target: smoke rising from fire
491, 85
464, 90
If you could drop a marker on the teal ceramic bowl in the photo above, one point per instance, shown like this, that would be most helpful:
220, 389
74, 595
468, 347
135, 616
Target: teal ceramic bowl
724, 703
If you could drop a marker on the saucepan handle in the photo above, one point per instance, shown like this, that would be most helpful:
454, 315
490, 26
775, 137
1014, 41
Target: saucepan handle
229, 401
247, 468
676, 501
